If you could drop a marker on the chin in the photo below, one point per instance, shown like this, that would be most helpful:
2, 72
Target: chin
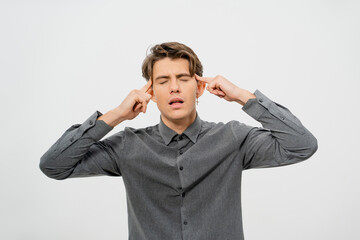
176, 114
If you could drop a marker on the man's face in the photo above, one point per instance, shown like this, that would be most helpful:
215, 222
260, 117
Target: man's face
171, 78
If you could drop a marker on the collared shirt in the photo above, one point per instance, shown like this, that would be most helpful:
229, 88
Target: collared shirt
185, 186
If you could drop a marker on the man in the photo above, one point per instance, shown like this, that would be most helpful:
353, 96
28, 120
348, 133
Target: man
183, 175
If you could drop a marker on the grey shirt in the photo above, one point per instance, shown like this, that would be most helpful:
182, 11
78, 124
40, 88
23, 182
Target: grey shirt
184, 186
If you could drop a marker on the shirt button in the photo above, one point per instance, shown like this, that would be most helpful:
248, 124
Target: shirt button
71, 139
183, 194
180, 152
180, 137
282, 118
260, 99
185, 222
181, 168
179, 188
90, 122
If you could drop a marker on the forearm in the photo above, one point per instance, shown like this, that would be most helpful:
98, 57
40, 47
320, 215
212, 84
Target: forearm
283, 139
59, 161
284, 125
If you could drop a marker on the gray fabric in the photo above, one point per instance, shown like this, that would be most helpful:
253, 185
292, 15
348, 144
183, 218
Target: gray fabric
189, 186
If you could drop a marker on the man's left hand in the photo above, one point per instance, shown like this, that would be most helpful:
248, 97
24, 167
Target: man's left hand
223, 88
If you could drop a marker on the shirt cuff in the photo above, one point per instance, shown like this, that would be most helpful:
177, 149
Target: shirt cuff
94, 128
255, 107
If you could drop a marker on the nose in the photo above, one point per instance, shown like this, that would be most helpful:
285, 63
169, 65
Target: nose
174, 86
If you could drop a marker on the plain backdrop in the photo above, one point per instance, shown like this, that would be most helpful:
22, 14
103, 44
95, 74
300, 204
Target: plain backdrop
60, 61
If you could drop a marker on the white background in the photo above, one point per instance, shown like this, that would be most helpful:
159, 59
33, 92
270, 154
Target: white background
61, 61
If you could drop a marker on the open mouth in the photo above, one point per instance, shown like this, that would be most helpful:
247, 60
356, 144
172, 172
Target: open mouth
176, 104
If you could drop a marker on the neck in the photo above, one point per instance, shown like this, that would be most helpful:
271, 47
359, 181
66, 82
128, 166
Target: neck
180, 125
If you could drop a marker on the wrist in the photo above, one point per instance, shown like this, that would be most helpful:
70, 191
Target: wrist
243, 96
118, 116
112, 117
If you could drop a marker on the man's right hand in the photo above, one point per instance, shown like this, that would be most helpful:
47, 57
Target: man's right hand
135, 102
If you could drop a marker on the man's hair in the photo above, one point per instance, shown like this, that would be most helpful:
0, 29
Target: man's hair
172, 50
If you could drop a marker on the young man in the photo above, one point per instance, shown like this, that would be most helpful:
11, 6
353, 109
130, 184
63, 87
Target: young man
183, 175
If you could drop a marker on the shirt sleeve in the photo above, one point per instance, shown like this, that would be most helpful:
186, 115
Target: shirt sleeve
80, 153
283, 140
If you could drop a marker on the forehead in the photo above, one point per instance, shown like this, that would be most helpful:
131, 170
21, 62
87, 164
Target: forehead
168, 66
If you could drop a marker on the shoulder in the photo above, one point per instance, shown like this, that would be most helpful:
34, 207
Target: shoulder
235, 127
207, 125
131, 135
143, 131
230, 124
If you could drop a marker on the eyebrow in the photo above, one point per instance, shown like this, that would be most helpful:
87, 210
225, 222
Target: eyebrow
177, 76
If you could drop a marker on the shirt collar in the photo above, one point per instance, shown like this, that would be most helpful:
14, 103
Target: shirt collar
191, 132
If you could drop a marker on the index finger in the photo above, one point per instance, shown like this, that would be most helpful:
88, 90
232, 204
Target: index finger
147, 86
204, 79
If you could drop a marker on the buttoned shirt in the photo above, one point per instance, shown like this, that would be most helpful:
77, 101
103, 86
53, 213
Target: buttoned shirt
183, 186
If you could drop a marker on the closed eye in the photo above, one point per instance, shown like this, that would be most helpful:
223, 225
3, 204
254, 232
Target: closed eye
180, 80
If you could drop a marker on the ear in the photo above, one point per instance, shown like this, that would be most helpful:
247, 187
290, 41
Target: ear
200, 88
151, 92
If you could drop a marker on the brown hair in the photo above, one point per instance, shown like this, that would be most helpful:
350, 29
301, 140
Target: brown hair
172, 50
